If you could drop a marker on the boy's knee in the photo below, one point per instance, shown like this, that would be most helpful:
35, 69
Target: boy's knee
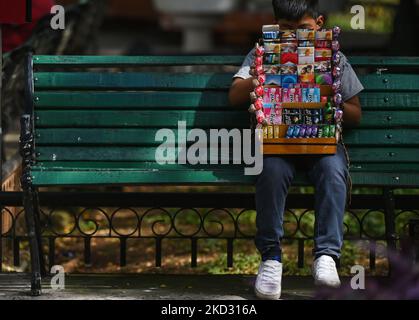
331, 169
276, 169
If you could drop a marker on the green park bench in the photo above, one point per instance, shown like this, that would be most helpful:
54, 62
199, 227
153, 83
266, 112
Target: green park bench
92, 121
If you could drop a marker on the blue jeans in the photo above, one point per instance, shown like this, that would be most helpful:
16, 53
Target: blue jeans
329, 174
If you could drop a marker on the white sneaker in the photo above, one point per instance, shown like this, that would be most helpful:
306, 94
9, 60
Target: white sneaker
325, 273
268, 281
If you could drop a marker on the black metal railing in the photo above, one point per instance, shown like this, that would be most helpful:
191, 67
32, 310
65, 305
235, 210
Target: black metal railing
161, 217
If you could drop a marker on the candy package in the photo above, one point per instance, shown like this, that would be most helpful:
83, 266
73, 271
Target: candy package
306, 43
271, 69
323, 66
271, 32
272, 47
289, 53
323, 44
306, 73
288, 79
304, 34
322, 54
288, 36
305, 55
311, 95
292, 116
291, 95
271, 58
324, 35
272, 95
324, 78
273, 79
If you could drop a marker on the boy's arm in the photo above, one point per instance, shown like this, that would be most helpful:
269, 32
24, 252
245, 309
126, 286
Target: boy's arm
244, 82
351, 87
240, 90
353, 113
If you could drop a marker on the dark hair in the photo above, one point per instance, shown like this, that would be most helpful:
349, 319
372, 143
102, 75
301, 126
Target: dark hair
294, 10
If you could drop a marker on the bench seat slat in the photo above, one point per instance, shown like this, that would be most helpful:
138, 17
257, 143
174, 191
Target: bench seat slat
139, 137
190, 100
127, 100
88, 153
142, 119
408, 62
132, 80
197, 60
190, 81
138, 166
127, 61
392, 82
389, 100
195, 119
188, 177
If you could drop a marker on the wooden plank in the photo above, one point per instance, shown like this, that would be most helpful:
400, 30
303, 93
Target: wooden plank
174, 99
144, 119
387, 100
384, 167
300, 105
204, 118
89, 153
142, 136
298, 149
189, 177
310, 141
130, 100
356, 61
136, 166
132, 81
142, 177
389, 119
390, 82
382, 137
101, 137
126, 165
128, 61
366, 61
382, 179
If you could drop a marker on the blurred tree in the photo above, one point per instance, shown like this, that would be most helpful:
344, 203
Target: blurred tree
406, 28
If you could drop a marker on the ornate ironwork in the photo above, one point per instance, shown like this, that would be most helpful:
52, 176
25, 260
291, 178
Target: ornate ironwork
188, 223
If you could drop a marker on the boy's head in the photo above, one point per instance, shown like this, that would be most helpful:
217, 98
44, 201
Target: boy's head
298, 14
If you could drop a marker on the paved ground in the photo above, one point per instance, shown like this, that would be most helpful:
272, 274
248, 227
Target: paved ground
151, 287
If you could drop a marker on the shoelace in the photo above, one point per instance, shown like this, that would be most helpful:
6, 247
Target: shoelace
270, 273
326, 267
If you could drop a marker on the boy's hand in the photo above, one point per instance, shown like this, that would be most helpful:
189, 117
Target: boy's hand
241, 89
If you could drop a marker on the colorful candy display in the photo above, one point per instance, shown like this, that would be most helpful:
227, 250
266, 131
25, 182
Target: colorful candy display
292, 67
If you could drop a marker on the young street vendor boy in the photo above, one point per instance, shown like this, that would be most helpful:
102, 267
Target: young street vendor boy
329, 174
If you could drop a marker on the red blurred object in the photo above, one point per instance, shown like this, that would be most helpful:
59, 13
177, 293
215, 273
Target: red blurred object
289, 57
14, 34
16, 12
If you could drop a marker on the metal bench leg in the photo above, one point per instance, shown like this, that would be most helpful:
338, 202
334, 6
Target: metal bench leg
390, 224
414, 240
26, 151
34, 245
38, 230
